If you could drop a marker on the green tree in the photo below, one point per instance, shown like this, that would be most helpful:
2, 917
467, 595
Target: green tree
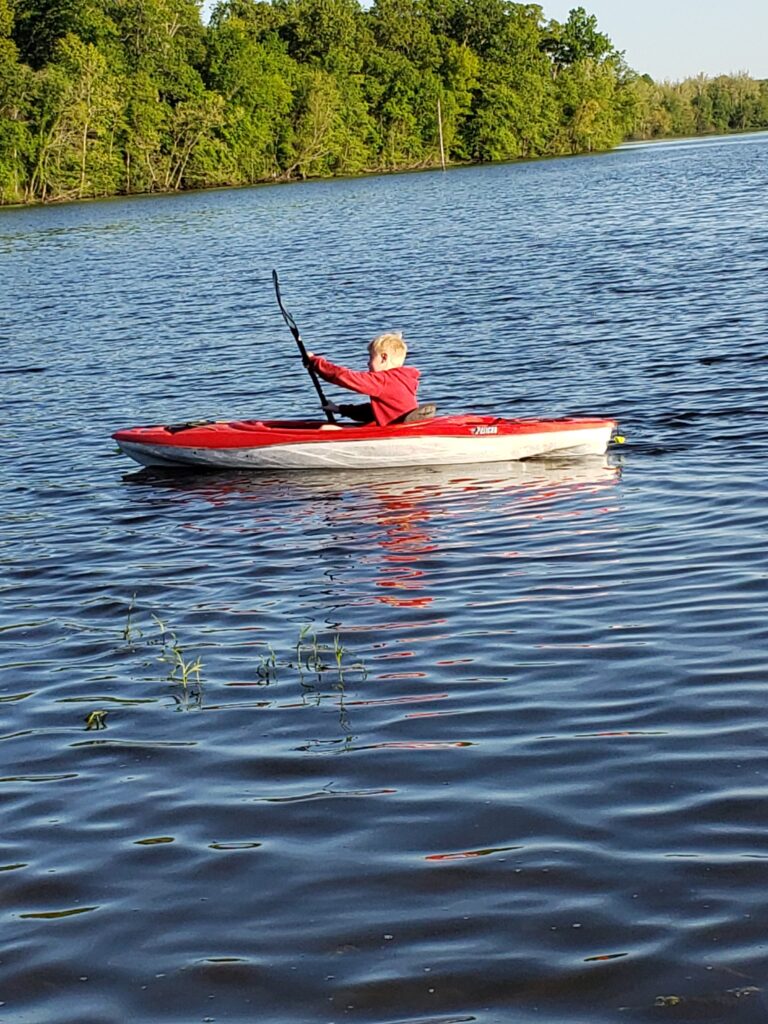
15, 142
650, 119
329, 34
460, 78
40, 25
171, 120
515, 113
257, 80
75, 154
478, 24
404, 27
193, 144
328, 123
593, 115
578, 39
144, 123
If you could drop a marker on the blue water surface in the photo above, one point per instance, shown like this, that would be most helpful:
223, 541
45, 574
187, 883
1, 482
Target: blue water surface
471, 744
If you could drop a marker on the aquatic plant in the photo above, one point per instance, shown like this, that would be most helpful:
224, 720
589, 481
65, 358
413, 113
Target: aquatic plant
309, 649
96, 720
320, 665
310, 654
130, 632
338, 651
267, 667
182, 669
320, 668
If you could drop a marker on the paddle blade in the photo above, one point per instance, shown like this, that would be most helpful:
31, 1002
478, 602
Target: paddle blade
286, 315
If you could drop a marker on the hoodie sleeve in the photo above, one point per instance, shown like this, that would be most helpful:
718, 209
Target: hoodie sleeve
363, 382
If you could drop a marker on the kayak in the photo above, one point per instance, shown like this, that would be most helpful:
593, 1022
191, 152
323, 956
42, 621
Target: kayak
314, 444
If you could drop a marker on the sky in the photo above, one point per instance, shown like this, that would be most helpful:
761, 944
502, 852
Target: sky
676, 39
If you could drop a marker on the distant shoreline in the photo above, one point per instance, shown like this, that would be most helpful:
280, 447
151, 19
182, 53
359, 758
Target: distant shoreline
452, 165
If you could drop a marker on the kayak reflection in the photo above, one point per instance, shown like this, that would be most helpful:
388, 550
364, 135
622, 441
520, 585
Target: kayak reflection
494, 476
392, 520
388, 565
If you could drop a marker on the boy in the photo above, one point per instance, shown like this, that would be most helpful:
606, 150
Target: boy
390, 386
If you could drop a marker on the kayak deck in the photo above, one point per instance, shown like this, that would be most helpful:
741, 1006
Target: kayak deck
304, 444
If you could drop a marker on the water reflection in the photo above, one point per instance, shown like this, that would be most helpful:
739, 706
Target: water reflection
392, 482
396, 550
384, 539
399, 517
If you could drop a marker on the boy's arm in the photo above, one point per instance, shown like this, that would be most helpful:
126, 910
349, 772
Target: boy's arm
361, 412
363, 382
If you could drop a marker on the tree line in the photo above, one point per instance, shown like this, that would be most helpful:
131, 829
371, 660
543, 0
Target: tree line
699, 106
108, 97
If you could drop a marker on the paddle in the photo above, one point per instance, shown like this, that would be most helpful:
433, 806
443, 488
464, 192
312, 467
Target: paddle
305, 359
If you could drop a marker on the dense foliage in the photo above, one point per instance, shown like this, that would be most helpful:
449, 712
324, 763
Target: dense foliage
101, 97
699, 106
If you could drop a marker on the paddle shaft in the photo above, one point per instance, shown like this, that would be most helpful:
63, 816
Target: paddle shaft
305, 358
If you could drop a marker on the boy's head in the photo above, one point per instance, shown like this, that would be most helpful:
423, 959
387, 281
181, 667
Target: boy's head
386, 352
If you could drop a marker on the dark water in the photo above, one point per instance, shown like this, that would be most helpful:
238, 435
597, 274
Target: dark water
469, 745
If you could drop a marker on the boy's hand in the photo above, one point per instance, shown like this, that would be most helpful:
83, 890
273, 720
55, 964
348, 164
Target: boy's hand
332, 408
306, 359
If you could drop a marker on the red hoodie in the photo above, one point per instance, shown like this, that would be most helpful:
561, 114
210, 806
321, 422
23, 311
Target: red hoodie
392, 392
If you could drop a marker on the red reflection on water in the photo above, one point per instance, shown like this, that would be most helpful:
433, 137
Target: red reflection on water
469, 854
399, 523
405, 543
430, 714
401, 675
408, 520
619, 735
393, 626
417, 745
418, 698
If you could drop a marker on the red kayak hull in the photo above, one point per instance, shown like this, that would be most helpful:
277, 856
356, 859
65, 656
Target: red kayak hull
311, 444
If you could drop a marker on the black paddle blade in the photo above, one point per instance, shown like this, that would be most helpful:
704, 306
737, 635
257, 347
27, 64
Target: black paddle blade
286, 315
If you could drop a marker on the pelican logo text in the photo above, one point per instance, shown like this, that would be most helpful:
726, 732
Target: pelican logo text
485, 430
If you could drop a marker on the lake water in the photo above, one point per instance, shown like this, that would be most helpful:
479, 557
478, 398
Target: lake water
467, 745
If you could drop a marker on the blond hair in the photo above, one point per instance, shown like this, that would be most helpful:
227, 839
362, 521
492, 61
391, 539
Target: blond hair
392, 344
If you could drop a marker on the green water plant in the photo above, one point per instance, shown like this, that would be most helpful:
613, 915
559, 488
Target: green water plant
311, 653
131, 633
96, 720
320, 664
267, 667
182, 669
338, 651
304, 631
318, 658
